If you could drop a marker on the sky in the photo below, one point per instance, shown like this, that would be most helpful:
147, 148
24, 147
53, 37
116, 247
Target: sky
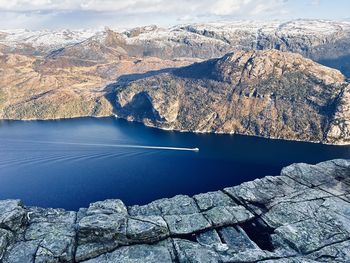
59, 14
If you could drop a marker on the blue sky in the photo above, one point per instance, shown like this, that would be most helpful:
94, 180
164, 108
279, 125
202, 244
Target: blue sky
40, 14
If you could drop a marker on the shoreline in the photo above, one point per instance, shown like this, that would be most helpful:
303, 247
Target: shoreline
182, 131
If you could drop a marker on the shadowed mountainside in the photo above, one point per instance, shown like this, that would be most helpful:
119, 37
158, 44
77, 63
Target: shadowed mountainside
266, 93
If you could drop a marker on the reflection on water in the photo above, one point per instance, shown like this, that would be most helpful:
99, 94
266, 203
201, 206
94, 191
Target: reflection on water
71, 163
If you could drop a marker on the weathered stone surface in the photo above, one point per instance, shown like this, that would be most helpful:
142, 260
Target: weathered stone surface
339, 252
237, 239
104, 221
102, 228
290, 212
136, 254
22, 252
247, 256
220, 216
180, 204
12, 214
227, 215
191, 252
150, 209
290, 260
213, 199
146, 229
5, 239
93, 250
186, 224
300, 216
260, 193
49, 215
324, 224
110, 206
209, 238
57, 241
55, 230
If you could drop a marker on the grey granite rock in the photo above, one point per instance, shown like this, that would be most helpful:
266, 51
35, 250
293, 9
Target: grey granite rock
338, 252
12, 214
109, 206
213, 199
323, 227
247, 256
237, 239
93, 250
136, 254
5, 239
209, 238
290, 260
150, 209
178, 205
146, 229
49, 215
300, 216
220, 216
186, 224
227, 215
291, 212
22, 252
317, 175
191, 252
261, 192
54, 229
57, 241
102, 228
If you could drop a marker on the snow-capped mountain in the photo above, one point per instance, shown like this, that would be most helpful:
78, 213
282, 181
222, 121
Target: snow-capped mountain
297, 35
321, 40
44, 38
232, 33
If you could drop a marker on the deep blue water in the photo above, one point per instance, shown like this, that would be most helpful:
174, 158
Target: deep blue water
60, 164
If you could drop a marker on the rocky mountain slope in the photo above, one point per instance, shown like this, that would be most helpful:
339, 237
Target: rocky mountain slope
37, 87
303, 215
65, 74
265, 93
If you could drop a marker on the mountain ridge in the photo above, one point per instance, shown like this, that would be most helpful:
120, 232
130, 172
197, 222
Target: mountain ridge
263, 93
324, 41
79, 76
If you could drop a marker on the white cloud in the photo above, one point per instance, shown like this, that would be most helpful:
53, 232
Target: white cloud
214, 7
67, 13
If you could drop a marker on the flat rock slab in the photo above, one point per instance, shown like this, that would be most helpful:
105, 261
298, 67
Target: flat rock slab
136, 254
12, 214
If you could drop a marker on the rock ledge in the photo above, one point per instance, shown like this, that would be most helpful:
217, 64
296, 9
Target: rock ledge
302, 215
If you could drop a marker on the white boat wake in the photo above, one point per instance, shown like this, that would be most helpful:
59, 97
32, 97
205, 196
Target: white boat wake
134, 146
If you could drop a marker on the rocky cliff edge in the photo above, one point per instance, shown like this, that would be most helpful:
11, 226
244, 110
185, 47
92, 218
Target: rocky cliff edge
302, 215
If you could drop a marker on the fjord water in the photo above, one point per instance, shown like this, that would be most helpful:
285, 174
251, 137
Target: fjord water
71, 163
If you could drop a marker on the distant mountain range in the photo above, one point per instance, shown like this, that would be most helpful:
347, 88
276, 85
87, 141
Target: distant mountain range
323, 41
131, 73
